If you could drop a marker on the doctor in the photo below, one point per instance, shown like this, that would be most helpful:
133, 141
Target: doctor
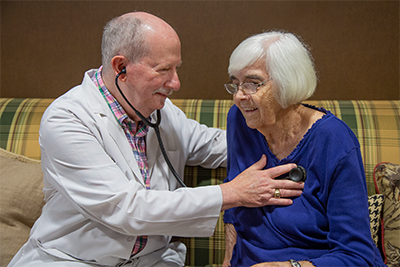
110, 196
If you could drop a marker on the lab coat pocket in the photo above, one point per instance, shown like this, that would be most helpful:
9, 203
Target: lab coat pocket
63, 255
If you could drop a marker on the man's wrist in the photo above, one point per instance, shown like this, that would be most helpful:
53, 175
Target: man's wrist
228, 199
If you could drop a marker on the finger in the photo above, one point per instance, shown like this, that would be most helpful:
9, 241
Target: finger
285, 193
286, 184
280, 201
279, 170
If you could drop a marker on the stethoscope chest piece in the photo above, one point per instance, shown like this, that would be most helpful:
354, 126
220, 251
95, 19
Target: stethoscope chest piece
297, 174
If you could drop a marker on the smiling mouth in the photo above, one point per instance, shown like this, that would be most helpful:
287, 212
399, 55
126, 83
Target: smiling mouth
164, 92
249, 109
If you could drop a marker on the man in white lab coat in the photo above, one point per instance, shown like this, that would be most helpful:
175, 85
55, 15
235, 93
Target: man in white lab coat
111, 199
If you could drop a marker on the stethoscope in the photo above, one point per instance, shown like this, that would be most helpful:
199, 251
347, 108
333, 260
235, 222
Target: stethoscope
154, 126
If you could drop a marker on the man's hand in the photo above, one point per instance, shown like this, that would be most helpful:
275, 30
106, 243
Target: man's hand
255, 187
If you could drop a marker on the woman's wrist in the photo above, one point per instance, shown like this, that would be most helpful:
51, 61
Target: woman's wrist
294, 263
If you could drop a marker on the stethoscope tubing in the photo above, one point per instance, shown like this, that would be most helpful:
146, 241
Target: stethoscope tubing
156, 129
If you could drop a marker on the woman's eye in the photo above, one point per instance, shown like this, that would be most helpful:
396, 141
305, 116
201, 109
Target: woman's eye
251, 81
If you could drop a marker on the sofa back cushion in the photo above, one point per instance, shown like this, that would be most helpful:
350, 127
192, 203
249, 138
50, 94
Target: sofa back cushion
375, 123
387, 180
21, 201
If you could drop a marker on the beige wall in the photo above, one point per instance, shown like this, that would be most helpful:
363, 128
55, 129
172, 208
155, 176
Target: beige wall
46, 46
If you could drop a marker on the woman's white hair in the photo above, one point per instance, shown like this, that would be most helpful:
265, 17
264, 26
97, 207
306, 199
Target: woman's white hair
288, 63
124, 35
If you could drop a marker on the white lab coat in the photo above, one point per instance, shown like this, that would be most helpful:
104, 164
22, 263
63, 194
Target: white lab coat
96, 201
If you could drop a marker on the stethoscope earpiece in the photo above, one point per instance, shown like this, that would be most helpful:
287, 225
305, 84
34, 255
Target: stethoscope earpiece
123, 71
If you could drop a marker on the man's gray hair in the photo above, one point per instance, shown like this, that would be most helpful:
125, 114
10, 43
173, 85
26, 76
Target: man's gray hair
125, 36
288, 63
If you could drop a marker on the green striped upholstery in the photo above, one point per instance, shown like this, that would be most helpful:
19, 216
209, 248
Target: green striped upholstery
19, 125
375, 123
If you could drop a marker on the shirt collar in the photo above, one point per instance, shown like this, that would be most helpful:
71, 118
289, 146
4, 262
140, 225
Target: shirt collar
117, 110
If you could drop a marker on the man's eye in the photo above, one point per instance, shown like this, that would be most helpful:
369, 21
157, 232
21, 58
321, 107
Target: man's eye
164, 69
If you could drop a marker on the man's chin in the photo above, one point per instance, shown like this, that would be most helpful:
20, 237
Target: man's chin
160, 101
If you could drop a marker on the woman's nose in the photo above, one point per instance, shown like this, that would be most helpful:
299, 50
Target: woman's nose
240, 94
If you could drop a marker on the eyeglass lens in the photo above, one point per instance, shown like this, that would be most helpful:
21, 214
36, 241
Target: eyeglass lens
248, 88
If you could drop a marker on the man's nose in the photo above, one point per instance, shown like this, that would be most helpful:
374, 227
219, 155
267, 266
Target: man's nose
174, 82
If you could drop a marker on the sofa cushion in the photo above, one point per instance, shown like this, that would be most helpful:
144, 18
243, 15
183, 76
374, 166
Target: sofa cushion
387, 180
375, 214
21, 201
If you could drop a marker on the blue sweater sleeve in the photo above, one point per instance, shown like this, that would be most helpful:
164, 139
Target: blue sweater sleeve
349, 236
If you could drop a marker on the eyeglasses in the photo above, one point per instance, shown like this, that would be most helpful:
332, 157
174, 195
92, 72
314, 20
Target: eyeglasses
247, 88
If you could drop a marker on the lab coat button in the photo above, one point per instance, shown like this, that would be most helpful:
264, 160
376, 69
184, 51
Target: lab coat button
130, 239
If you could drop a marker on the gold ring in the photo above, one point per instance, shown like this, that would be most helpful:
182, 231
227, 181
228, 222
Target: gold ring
277, 193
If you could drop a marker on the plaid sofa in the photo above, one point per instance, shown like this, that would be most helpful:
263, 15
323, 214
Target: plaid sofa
375, 123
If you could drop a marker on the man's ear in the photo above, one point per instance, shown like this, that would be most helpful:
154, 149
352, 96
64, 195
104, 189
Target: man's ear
118, 63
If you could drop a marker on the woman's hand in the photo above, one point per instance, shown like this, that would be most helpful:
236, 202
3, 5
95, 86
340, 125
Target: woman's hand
273, 264
230, 241
282, 264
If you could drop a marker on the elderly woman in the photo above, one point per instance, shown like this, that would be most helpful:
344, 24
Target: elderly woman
328, 225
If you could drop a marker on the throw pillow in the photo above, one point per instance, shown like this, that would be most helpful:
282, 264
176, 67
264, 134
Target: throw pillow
387, 182
21, 201
375, 215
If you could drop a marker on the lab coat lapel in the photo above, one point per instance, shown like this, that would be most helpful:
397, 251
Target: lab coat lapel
110, 124
121, 142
